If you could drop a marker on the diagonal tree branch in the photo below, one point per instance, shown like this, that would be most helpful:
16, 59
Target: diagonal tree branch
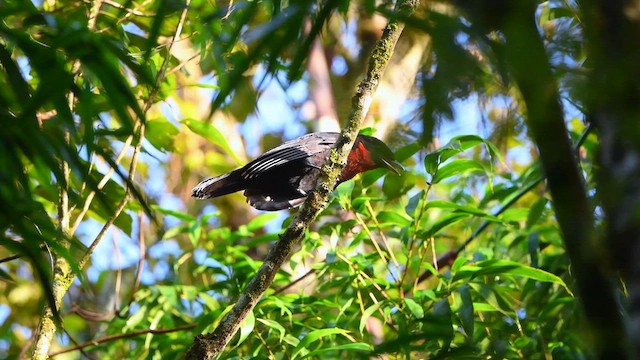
210, 345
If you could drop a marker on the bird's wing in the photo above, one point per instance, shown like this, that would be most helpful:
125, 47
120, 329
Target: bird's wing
296, 149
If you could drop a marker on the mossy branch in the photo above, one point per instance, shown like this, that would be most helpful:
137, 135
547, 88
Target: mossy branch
208, 346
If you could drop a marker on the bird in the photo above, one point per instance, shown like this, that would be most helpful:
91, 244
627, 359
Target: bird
282, 177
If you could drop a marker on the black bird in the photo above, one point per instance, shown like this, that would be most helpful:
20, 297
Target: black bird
282, 177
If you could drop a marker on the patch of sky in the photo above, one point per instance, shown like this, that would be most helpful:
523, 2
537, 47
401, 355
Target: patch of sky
171, 110
467, 119
161, 270
63, 339
133, 29
339, 65
201, 257
25, 68
275, 110
194, 308
164, 249
24, 331
349, 38
4, 348
104, 257
5, 310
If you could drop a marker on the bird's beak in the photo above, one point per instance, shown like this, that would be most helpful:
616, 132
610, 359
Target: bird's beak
394, 166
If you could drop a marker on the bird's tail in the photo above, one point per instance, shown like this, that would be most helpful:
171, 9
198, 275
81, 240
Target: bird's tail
218, 186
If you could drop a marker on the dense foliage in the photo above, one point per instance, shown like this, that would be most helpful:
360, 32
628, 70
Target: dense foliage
113, 110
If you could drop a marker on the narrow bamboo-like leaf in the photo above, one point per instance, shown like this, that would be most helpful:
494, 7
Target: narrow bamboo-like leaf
508, 267
493, 299
195, 230
313, 336
260, 221
160, 133
367, 314
443, 204
175, 213
353, 346
445, 221
466, 312
275, 326
454, 147
456, 167
415, 308
213, 135
533, 245
246, 327
396, 218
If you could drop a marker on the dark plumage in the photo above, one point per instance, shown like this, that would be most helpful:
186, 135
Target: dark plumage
282, 177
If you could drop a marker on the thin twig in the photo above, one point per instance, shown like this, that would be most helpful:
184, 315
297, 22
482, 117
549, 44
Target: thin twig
122, 336
105, 179
384, 239
293, 283
118, 284
414, 234
383, 257
142, 246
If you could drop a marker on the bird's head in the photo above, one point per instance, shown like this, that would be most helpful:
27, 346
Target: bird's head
378, 152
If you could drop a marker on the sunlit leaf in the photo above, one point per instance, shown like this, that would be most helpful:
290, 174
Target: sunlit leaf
352, 346
213, 135
415, 309
275, 326
457, 167
160, 133
314, 336
246, 327
367, 314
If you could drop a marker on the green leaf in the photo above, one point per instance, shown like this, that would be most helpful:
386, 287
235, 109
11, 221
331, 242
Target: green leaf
367, 314
466, 312
443, 204
456, 167
494, 298
160, 133
415, 309
351, 346
195, 230
454, 147
533, 245
246, 327
394, 218
508, 267
444, 222
175, 213
536, 212
515, 215
260, 221
458, 264
211, 134
313, 336
439, 323
275, 326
